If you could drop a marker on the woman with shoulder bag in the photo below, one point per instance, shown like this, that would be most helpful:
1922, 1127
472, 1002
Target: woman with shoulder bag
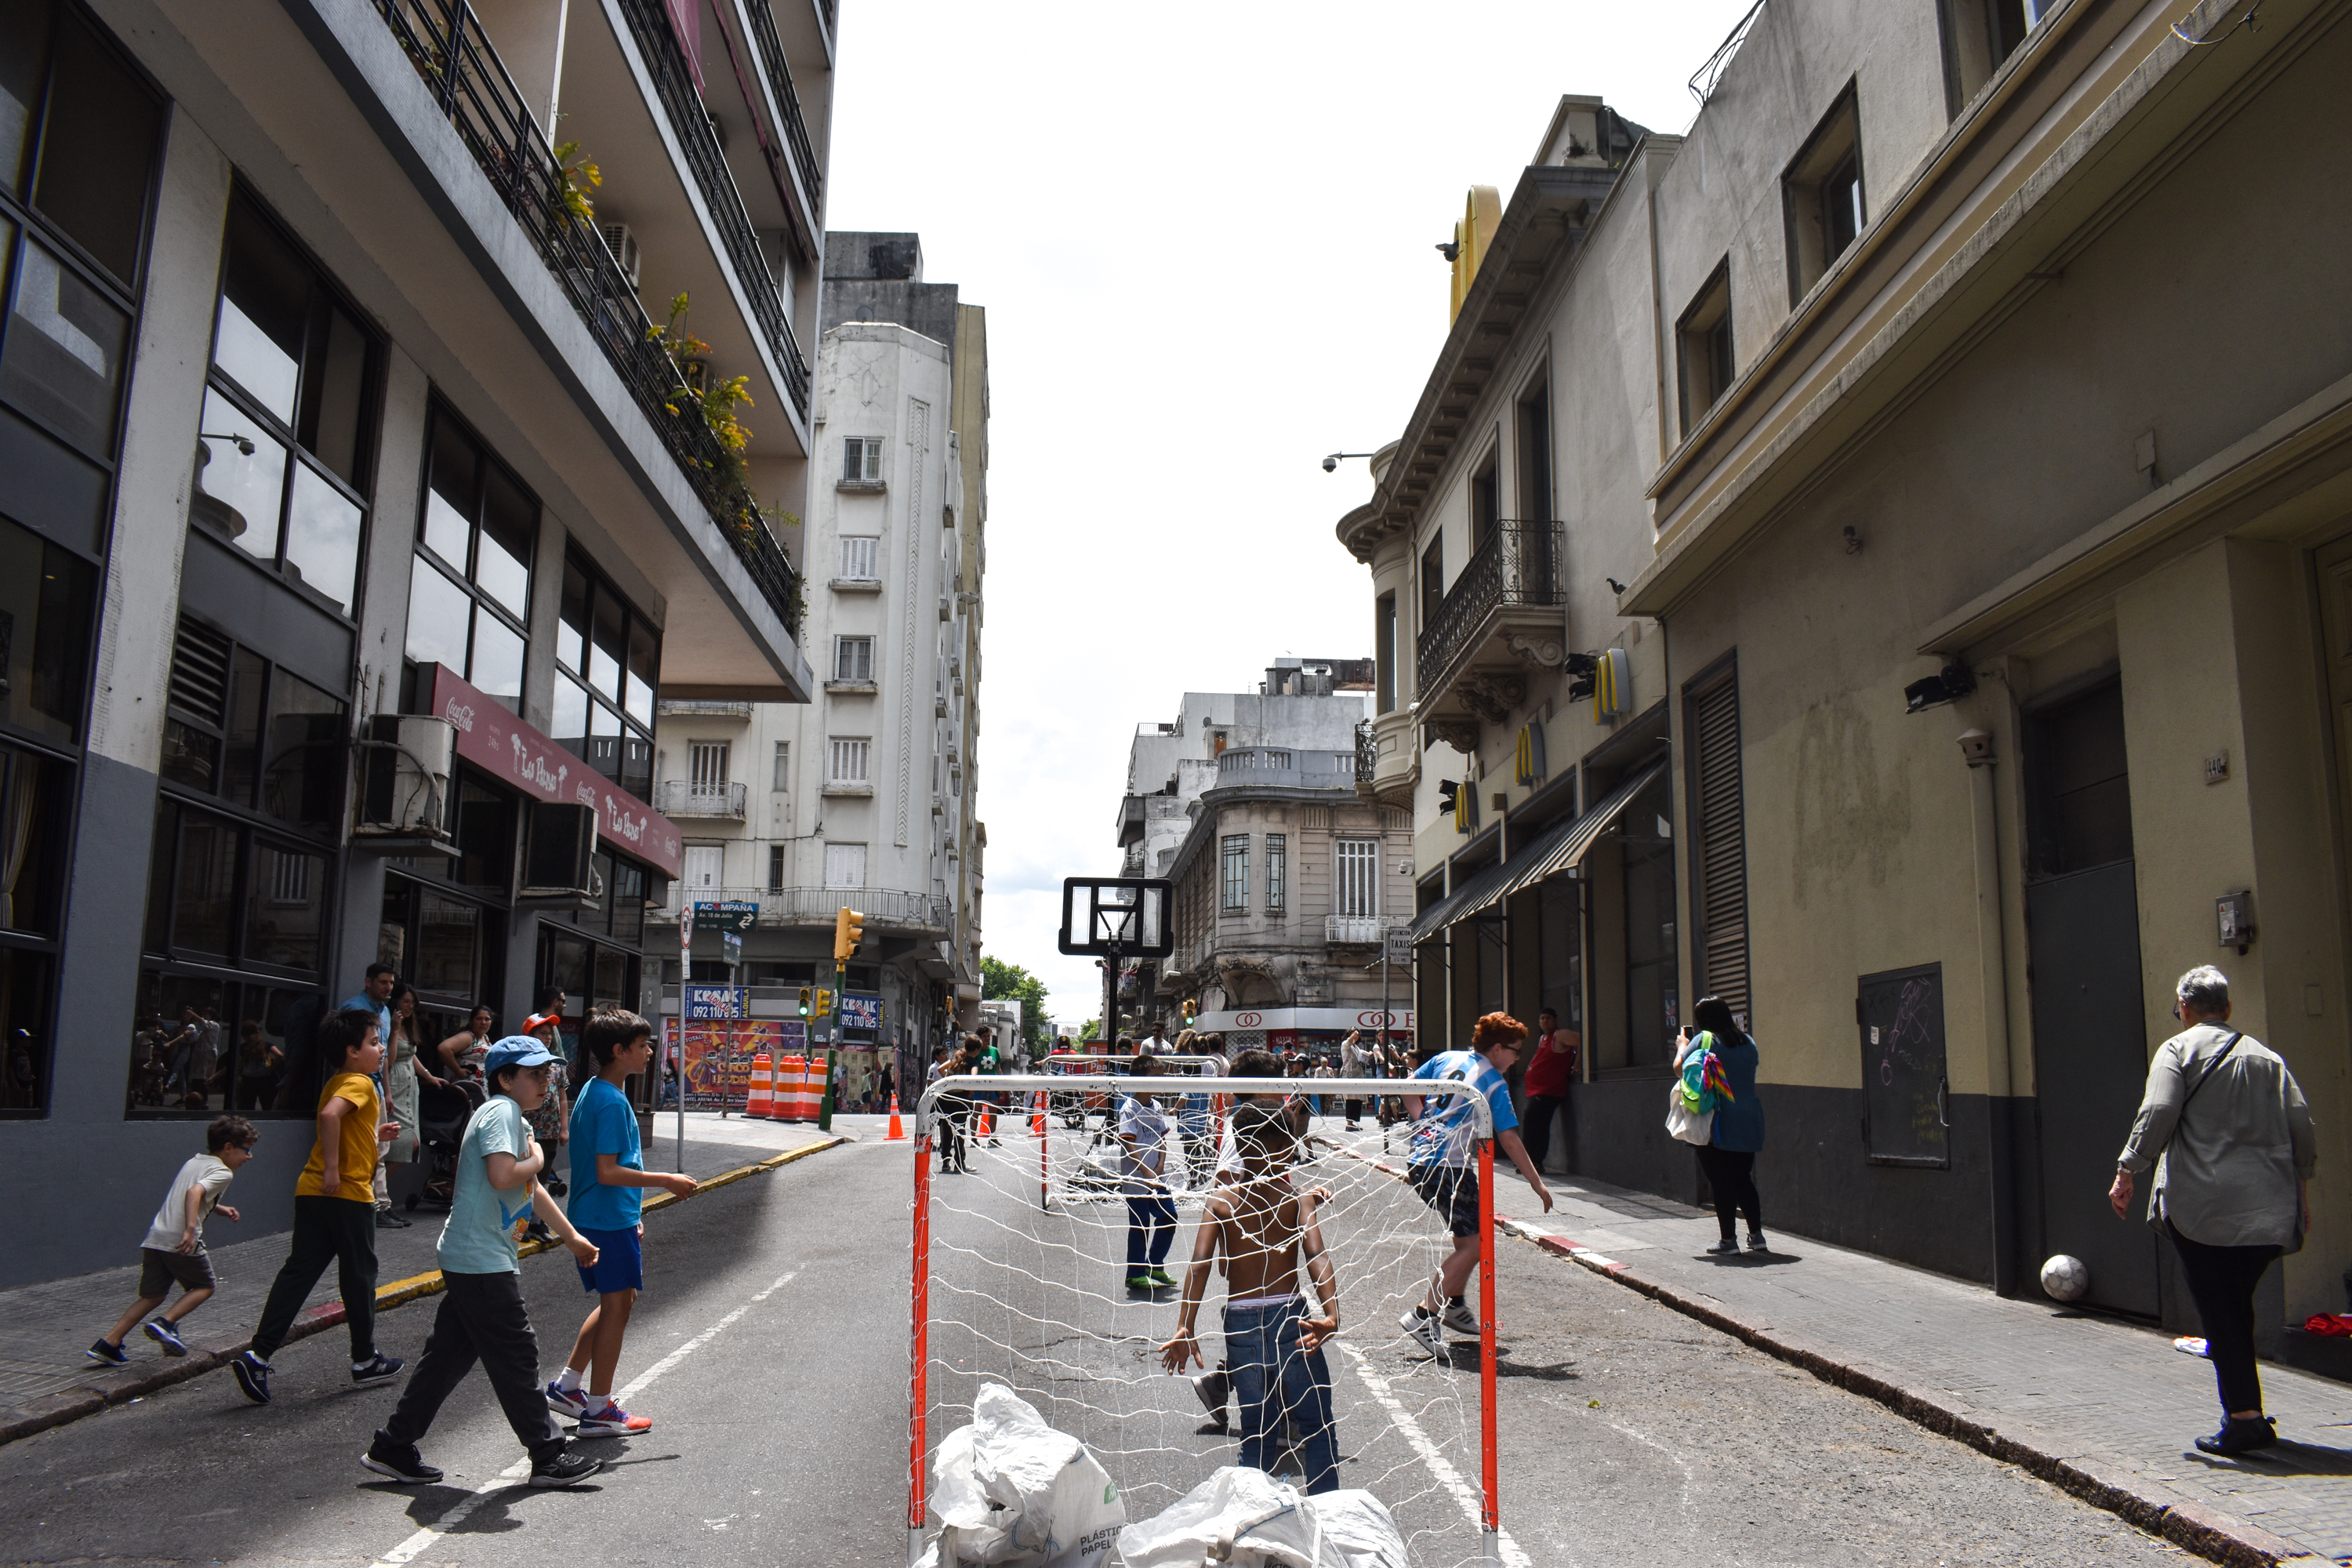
1728, 1157
2225, 1124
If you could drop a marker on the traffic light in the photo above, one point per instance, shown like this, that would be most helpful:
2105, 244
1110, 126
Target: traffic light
825, 1003
848, 930
805, 1001
1192, 1011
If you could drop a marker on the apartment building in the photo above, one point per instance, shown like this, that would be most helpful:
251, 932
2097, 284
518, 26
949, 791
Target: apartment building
865, 797
364, 519
1991, 630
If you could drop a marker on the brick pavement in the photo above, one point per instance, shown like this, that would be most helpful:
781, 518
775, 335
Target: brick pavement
46, 1327
2102, 1407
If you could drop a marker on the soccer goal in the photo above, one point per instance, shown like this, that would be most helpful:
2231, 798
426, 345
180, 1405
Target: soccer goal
1020, 1278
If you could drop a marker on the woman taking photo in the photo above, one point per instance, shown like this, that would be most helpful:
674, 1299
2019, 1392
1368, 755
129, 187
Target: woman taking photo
1728, 1159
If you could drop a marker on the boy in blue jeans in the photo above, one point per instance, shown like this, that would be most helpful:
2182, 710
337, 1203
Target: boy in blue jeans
608, 1172
1273, 1350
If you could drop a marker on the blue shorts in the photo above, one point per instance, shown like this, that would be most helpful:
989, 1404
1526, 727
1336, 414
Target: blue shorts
620, 1261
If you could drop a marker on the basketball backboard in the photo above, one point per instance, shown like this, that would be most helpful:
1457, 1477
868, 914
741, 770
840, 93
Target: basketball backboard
1126, 913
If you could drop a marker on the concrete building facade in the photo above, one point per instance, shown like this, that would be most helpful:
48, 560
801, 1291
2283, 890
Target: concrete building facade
363, 518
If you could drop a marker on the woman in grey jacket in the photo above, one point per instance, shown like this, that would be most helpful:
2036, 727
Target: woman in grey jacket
2225, 1125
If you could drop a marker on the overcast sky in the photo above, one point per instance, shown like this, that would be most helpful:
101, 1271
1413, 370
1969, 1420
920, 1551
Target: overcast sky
1203, 235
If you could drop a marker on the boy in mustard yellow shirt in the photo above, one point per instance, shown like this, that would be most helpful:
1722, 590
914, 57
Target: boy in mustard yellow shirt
334, 1209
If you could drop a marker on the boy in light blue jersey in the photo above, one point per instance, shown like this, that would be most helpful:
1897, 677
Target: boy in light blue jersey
608, 1172
482, 1317
1439, 1163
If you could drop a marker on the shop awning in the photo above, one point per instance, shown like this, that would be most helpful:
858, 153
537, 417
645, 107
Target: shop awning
1557, 850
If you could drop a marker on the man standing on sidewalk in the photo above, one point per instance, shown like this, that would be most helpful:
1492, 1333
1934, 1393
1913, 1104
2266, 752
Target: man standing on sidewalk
1549, 1072
2225, 1125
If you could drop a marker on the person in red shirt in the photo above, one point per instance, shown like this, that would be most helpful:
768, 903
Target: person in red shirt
1551, 1069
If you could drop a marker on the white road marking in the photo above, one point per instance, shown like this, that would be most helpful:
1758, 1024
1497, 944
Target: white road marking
407, 1550
1439, 1464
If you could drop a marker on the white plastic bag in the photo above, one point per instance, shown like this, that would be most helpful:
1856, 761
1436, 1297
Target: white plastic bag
1009, 1489
1687, 1125
1248, 1519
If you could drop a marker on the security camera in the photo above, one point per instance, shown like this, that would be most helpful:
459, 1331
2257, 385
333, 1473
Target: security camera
1330, 465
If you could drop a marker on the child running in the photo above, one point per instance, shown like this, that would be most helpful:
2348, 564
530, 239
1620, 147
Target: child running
482, 1317
1273, 1349
608, 1172
334, 1208
174, 1248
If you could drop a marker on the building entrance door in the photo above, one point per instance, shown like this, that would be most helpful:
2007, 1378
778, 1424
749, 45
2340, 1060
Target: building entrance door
2090, 1043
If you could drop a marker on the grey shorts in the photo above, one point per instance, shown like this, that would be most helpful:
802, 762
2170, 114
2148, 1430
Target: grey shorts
158, 1269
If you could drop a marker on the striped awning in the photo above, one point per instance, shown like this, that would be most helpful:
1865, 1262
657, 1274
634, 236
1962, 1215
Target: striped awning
1557, 850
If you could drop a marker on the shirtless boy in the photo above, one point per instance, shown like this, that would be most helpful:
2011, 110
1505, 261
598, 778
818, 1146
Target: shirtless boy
1262, 1231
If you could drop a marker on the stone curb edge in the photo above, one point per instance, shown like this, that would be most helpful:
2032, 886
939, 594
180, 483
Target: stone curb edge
40, 1413
2209, 1533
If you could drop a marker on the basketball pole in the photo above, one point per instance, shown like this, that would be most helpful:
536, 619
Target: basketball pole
919, 1340
1490, 1520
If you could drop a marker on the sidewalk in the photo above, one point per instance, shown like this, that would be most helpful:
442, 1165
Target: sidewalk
45, 1328
2100, 1407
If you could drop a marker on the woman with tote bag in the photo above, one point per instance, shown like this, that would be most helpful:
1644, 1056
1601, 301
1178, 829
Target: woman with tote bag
1737, 1134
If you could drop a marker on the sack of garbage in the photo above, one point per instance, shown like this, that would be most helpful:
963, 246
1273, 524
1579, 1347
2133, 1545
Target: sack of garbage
1009, 1489
1248, 1519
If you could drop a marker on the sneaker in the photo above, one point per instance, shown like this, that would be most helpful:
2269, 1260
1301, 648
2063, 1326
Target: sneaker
1424, 1330
612, 1422
1214, 1388
1458, 1316
571, 1403
537, 1232
163, 1334
1756, 1241
2241, 1436
112, 1355
568, 1468
1161, 1279
400, 1461
1139, 1283
252, 1375
381, 1368
1728, 1244
387, 1220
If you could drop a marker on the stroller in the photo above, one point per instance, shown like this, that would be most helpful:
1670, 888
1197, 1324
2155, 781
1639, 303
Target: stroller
442, 1112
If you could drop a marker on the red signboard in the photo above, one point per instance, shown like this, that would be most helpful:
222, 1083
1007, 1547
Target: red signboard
511, 752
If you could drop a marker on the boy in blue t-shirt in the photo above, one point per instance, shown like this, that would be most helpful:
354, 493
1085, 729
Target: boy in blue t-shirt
1439, 1164
607, 1174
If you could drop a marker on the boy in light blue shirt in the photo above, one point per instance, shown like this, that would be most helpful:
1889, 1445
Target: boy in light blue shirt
608, 1173
482, 1317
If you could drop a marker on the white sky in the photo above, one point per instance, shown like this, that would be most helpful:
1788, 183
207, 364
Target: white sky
1202, 236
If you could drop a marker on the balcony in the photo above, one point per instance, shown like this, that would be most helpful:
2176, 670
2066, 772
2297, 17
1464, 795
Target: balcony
1360, 930
884, 909
696, 707
1388, 759
787, 102
685, 797
1284, 767
444, 41
1501, 617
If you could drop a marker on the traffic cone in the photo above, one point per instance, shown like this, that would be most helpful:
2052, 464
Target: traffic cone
987, 1127
898, 1133
1038, 1117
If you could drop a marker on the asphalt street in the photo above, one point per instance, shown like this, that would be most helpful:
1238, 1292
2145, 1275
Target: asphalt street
770, 1351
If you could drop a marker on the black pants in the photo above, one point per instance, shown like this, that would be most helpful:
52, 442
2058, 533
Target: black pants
1355, 1111
1731, 1174
482, 1318
1535, 1130
2222, 1280
953, 1126
341, 1231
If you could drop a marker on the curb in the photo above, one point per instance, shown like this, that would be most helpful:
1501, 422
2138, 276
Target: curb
45, 1411
2207, 1533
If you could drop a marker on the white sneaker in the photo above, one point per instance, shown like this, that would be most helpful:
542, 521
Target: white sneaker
1428, 1332
571, 1403
1458, 1316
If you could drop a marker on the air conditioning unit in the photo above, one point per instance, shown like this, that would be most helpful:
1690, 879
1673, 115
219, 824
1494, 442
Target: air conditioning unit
623, 246
559, 856
404, 767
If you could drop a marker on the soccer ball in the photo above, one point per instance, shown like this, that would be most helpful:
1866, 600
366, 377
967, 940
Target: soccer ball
2065, 1278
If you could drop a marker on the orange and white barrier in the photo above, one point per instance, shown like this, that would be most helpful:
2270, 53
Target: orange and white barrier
759, 1100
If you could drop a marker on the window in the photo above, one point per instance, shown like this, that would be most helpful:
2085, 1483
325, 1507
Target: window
783, 779
853, 659
1820, 197
47, 598
1979, 35
470, 585
708, 762
1703, 341
1235, 857
1356, 865
1384, 652
1278, 870
849, 759
250, 735
844, 865
857, 559
861, 460
1720, 841
775, 867
1433, 582
609, 662
702, 866
1486, 503
1535, 502
1653, 1004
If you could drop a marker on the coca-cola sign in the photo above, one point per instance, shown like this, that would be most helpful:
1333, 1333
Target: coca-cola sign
514, 754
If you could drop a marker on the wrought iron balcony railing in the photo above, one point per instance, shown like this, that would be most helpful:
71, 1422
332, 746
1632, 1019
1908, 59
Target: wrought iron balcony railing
446, 43
779, 76
1518, 566
673, 82
1368, 752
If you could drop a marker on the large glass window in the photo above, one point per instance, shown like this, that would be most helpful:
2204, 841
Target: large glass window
289, 418
469, 585
609, 661
256, 737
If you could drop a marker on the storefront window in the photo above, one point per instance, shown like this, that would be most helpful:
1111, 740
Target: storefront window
1559, 935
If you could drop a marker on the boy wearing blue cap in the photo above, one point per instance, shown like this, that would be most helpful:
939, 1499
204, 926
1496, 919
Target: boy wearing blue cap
482, 1316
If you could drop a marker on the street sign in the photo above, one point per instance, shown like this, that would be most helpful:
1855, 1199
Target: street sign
731, 946
717, 1001
860, 1012
1400, 945
737, 915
